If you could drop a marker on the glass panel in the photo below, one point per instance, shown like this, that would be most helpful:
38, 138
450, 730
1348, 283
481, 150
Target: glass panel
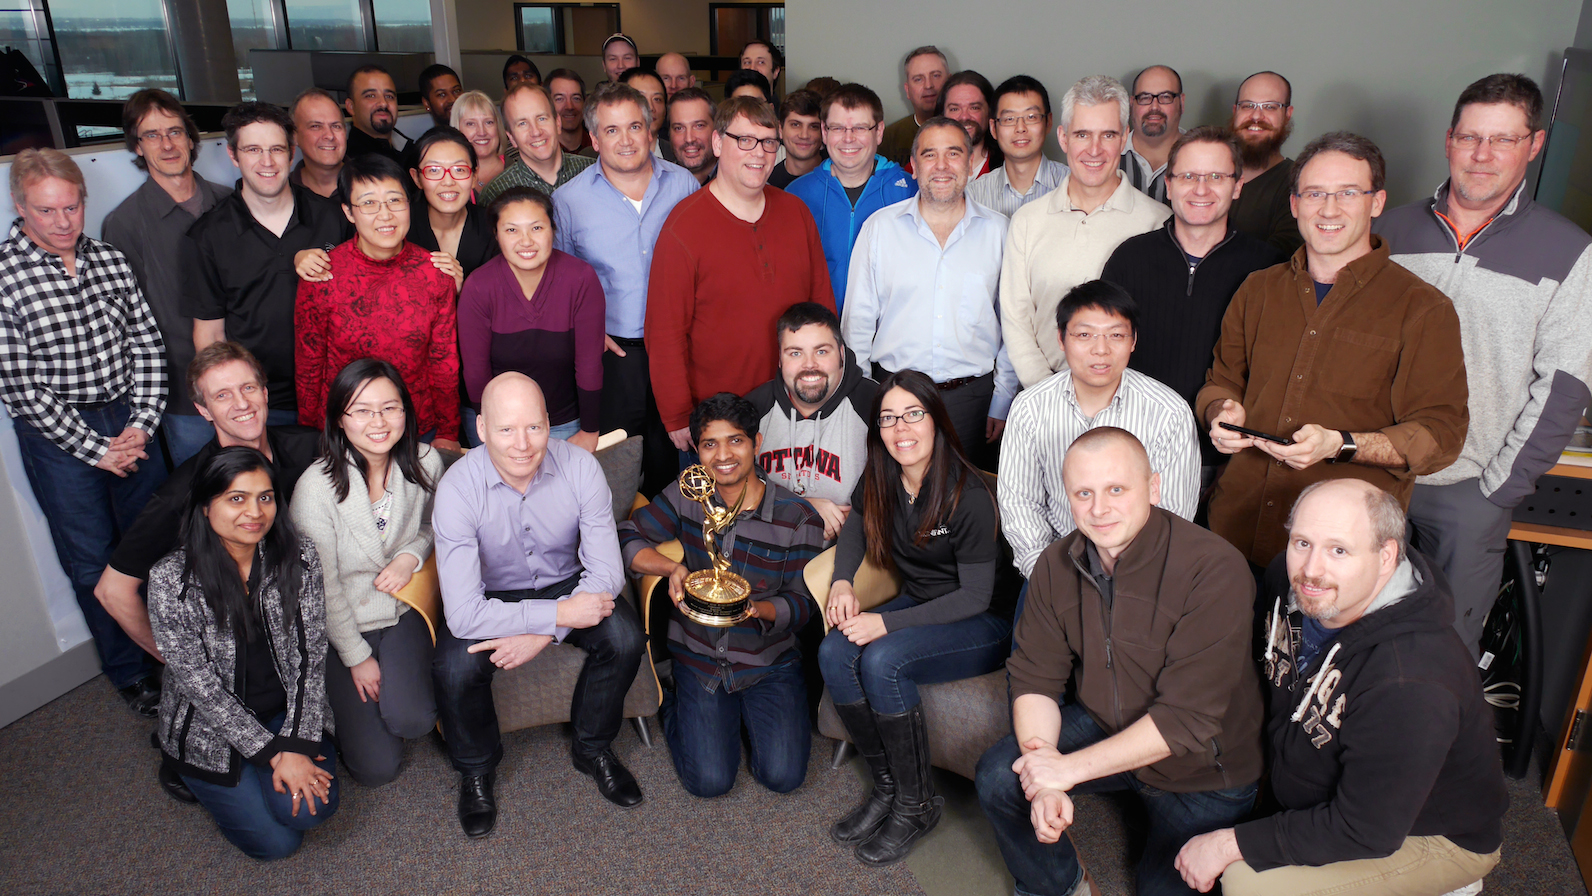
325, 25
252, 29
112, 48
776, 27
538, 34
403, 26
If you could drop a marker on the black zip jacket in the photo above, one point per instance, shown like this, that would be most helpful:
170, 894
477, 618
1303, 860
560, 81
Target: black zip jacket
1384, 736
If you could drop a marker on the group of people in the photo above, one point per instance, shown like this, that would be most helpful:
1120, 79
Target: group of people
238, 411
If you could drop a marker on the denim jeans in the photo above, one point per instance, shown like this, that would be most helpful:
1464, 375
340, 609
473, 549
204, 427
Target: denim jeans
887, 672
703, 728
371, 733
1052, 869
184, 435
88, 509
464, 684
258, 820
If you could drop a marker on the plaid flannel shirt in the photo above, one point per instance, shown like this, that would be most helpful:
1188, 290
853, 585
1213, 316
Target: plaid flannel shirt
69, 341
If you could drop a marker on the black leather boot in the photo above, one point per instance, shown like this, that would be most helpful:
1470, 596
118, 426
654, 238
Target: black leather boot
916, 810
860, 823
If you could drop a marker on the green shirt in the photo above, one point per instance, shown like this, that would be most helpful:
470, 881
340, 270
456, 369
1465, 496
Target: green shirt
519, 174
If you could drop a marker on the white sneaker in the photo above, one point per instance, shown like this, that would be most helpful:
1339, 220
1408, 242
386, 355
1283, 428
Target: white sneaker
1470, 890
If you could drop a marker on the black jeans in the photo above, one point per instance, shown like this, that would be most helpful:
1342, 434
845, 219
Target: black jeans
628, 404
464, 683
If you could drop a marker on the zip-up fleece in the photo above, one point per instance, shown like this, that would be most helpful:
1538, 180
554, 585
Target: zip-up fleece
838, 221
1171, 641
821, 456
1386, 736
1522, 288
205, 729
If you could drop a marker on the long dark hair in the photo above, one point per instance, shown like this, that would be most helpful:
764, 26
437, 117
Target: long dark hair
337, 452
212, 570
943, 482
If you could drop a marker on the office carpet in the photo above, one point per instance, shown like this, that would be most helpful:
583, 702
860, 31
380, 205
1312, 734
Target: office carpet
82, 814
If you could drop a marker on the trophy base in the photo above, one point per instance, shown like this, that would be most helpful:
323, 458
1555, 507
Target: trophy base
715, 598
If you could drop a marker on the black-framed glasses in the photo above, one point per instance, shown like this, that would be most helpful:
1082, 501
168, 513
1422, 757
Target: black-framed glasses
1164, 98
747, 144
852, 132
913, 416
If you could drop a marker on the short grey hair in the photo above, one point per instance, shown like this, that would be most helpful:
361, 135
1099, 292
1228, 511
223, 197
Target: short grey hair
1382, 510
1095, 90
613, 93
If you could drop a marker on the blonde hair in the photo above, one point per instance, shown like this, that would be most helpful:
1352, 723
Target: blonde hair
476, 100
33, 165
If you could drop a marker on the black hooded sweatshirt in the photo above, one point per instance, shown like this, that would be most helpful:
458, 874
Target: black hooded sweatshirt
1394, 739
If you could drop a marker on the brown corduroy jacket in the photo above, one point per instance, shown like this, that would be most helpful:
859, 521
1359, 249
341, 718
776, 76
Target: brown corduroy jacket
1173, 643
1380, 354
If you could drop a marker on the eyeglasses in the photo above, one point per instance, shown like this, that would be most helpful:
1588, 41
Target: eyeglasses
1319, 197
435, 172
157, 137
1111, 339
371, 207
853, 131
1164, 98
255, 152
1032, 119
1504, 142
366, 415
747, 144
1250, 106
913, 416
1214, 178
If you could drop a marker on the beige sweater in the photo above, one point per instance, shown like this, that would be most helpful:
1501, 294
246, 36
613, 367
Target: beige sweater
1051, 247
352, 550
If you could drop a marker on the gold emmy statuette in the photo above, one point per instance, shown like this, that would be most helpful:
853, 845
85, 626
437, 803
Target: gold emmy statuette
716, 596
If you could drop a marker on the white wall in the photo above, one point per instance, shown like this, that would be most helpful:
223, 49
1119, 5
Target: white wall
1390, 70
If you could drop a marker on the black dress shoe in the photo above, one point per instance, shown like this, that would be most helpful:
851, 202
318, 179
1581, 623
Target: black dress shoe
173, 784
477, 805
143, 696
614, 781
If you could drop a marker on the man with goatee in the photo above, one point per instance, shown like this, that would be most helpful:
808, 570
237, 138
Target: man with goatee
1263, 119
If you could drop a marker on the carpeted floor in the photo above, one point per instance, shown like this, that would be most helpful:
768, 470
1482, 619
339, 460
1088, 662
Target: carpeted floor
83, 815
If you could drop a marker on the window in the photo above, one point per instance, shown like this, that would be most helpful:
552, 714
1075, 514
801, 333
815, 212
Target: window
563, 28
24, 27
403, 26
110, 49
253, 28
325, 25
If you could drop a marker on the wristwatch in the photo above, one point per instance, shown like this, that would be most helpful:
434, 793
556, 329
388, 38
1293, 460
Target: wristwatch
1346, 453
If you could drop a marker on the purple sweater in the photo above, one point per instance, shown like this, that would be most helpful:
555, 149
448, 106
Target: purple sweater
555, 338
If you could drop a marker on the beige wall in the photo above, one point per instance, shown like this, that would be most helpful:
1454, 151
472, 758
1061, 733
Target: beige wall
659, 26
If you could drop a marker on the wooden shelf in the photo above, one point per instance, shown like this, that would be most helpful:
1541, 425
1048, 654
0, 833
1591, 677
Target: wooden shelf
1554, 535
1573, 471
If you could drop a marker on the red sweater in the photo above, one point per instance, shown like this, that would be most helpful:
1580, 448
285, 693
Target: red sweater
717, 287
401, 311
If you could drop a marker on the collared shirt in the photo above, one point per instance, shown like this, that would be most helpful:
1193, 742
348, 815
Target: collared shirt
242, 274
1147, 180
1046, 419
149, 228
913, 304
492, 538
600, 225
519, 174
80, 340
994, 191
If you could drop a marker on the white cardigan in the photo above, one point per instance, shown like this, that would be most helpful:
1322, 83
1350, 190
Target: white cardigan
353, 552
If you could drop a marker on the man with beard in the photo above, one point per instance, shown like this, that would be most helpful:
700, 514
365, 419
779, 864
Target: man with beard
1263, 120
322, 139
1383, 755
1157, 111
568, 91
691, 132
1022, 120
675, 70
968, 99
801, 133
532, 126
925, 274
926, 71
749, 675
815, 414
372, 103
1520, 278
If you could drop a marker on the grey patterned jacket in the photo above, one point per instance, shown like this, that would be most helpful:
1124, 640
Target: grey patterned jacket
204, 726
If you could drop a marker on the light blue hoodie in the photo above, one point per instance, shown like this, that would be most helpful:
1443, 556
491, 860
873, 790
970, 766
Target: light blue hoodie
838, 222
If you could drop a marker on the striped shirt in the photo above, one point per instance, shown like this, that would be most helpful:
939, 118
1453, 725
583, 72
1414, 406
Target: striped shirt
71, 341
995, 192
769, 546
1046, 418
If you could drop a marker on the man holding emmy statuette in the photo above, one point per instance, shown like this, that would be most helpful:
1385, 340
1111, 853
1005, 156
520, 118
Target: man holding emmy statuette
738, 600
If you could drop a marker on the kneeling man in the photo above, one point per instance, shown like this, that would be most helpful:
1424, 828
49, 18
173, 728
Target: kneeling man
1149, 616
528, 556
1383, 753
748, 675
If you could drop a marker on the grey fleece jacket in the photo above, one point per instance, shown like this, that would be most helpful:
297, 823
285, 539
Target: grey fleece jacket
1522, 288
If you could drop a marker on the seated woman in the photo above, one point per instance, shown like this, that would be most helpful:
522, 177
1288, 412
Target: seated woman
456, 231
238, 613
925, 511
384, 299
537, 311
367, 507
476, 117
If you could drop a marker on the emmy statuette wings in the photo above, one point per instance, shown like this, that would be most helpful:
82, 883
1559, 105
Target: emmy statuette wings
716, 596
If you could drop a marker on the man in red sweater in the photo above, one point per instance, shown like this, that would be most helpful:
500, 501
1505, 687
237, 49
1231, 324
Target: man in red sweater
731, 258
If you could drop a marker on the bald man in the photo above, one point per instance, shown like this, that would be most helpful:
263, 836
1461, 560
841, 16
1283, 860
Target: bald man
1383, 753
528, 556
675, 72
1149, 615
